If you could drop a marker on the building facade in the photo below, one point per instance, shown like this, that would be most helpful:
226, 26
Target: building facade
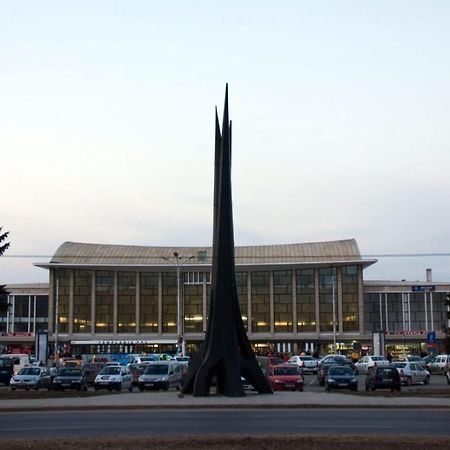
312, 297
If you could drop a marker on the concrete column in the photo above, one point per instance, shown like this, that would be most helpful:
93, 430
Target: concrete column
340, 314
361, 300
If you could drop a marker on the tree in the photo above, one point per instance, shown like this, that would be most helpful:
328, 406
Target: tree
3, 292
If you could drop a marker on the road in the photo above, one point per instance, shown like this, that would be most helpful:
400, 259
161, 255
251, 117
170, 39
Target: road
420, 422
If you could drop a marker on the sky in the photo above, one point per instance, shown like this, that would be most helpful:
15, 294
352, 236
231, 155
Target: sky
340, 111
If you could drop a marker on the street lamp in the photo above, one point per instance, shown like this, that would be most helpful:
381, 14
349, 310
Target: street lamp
180, 260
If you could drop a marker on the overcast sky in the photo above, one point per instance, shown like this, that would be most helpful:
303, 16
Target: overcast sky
340, 110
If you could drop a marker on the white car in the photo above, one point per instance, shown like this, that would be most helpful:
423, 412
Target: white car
114, 377
411, 372
364, 363
305, 363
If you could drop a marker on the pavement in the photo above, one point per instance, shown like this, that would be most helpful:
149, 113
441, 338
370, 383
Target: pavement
163, 400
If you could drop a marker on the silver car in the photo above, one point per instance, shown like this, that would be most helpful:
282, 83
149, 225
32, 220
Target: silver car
411, 372
161, 375
31, 378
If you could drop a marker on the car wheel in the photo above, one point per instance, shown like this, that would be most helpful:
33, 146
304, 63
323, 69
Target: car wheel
373, 389
427, 379
354, 389
36, 388
119, 387
130, 389
408, 381
367, 388
166, 387
109, 388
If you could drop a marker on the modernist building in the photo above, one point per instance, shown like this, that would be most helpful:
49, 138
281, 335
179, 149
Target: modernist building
114, 298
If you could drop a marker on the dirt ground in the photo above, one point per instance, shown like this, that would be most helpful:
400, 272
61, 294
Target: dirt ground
236, 443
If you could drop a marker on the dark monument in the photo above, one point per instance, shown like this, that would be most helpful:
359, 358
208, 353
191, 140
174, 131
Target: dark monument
226, 353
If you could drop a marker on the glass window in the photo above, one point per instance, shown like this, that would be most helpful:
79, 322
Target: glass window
149, 302
260, 301
104, 301
350, 304
193, 308
169, 302
82, 301
282, 299
63, 275
306, 301
241, 286
327, 279
126, 302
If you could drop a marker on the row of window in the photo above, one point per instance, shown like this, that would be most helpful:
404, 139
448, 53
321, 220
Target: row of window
292, 291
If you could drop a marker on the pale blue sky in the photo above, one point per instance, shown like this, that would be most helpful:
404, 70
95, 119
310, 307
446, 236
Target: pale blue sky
340, 110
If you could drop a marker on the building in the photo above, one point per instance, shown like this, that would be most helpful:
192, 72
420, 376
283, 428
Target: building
116, 298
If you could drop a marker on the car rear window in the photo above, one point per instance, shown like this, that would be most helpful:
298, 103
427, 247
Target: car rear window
285, 370
399, 365
385, 371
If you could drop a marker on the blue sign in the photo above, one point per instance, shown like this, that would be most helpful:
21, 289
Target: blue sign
431, 337
422, 288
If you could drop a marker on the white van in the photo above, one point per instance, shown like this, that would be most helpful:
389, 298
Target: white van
440, 364
20, 360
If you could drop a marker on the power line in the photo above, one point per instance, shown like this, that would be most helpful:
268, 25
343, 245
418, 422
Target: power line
372, 255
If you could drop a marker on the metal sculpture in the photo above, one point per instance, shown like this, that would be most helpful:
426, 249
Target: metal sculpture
226, 354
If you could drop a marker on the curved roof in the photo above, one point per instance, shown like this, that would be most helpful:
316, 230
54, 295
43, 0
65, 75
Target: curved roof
74, 253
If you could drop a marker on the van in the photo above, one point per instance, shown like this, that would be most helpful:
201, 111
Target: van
20, 360
440, 364
161, 375
6, 370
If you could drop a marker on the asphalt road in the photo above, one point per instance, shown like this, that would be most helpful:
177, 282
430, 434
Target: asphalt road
420, 422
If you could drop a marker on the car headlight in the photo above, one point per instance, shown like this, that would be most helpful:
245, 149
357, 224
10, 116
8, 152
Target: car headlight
278, 381
331, 380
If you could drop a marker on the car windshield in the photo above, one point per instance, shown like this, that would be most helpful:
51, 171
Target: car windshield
285, 371
340, 371
157, 369
110, 370
29, 371
69, 373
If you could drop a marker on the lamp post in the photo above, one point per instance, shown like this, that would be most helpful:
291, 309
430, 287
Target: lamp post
334, 311
180, 260
56, 320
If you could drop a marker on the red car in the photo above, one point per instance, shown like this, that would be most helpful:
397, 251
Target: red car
285, 377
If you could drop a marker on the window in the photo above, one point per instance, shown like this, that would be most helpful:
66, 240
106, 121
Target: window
306, 302
282, 299
126, 302
82, 301
104, 298
350, 303
327, 297
148, 302
260, 301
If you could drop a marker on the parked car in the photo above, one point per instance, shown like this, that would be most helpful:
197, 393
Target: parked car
425, 360
383, 378
114, 377
305, 363
31, 378
90, 372
144, 358
341, 377
366, 362
161, 375
330, 361
6, 370
440, 364
411, 372
285, 377
70, 378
